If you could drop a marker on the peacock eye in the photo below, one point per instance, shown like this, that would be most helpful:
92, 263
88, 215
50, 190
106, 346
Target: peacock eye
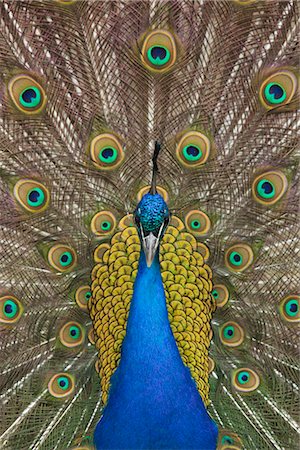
289, 308
193, 149
106, 152
231, 334
62, 257
278, 89
192, 152
158, 55
221, 294
159, 51
239, 257
197, 222
82, 297
269, 187
71, 334
61, 385
245, 380
31, 195
103, 223
27, 94
108, 155
10, 309
227, 440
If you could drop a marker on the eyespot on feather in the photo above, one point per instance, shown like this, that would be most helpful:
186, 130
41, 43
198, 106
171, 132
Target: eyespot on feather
159, 51
269, 187
82, 296
161, 191
239, 257
27, 94
11, 309
228, 440
231, 334
289, 308
278, 89
245, 380
32, 195
71, 334
61, 385
106, 152
62, 257
197, 222
221, 294
103, 223
193, 149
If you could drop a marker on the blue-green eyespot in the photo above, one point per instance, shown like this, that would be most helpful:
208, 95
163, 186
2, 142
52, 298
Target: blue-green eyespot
269, 187
239, 257
61, 385
193, 149
106, 151
33, 196
82, 296
62, 257
10, 309
71, 334
231, 334
27, 94
159, 50
245, 380
289, 308
278, 90
103, 223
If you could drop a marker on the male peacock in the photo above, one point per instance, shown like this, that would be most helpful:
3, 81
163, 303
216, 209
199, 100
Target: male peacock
116, 283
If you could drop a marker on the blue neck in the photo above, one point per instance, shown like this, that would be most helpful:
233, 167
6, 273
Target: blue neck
153, 401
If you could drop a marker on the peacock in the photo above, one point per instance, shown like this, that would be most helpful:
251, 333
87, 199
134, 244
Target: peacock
149, 215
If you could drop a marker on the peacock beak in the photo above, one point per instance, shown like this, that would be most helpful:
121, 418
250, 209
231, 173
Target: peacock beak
150, 244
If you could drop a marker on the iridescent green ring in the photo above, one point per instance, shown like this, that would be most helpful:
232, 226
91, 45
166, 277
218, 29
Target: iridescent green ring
233, 261
270, 97
14, 308
189, 157
105, 226
69, 259
226, 332
241, 375
77, 332
111, 159
34, 101
261, 191
158, 61
215, 293
63, 379
227, 440
195, 224
288, 305
40, 199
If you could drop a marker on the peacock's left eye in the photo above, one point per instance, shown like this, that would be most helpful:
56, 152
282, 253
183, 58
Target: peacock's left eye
61, 385
197, 222
245, 380
269, 187
62, 257
27, 94
239, 257
159, 51
10, 309
289, 308
193, 149
106, 152
71, 334
31, 195
231, 334
103, 223
278, 89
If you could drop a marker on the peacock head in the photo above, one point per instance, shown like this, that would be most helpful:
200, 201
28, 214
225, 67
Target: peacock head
152, 215
151, 218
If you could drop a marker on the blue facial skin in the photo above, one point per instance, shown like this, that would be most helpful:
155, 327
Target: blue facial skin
151, 213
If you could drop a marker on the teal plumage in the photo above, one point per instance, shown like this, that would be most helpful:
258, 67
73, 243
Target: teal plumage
87, 88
